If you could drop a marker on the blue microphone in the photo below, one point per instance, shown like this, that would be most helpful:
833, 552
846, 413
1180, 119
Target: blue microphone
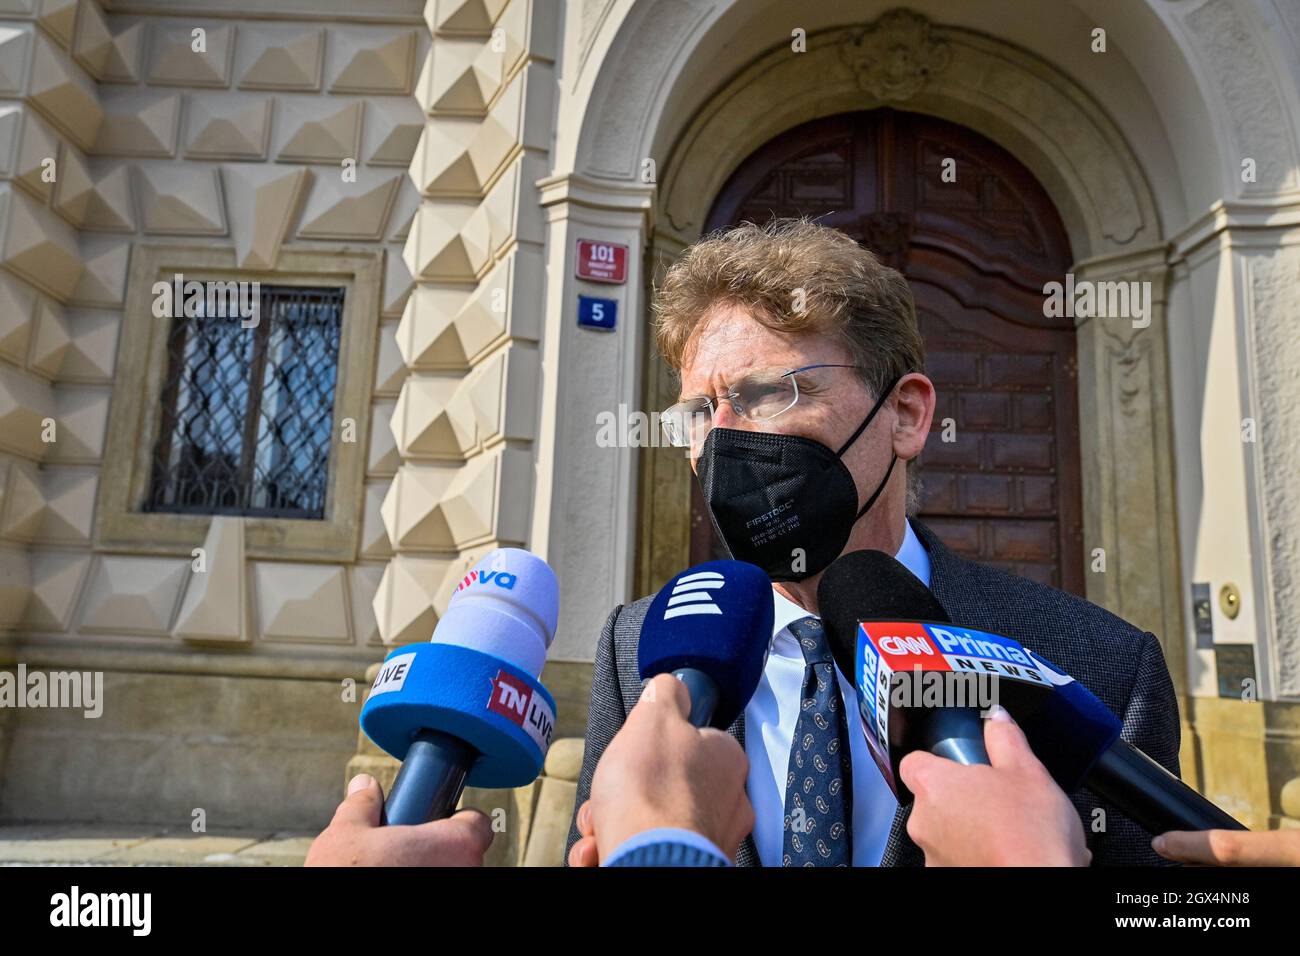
467, 709
710, 627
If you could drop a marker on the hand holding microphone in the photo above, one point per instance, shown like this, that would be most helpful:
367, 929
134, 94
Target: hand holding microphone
356, 838
702, 648
1009, 813
660, 772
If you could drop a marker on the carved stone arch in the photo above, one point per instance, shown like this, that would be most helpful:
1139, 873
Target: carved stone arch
1009, 95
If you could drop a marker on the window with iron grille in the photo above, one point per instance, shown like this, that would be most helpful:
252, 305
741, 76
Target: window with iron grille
248, 412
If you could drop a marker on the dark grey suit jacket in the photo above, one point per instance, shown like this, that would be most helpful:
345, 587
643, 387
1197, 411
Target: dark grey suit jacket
1122, 665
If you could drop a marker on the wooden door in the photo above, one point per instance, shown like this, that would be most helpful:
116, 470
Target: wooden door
1006, 489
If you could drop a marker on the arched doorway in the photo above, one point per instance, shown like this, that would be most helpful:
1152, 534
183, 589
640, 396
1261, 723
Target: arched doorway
1005, 489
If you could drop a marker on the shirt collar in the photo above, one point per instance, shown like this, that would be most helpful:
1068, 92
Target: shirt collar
911, 555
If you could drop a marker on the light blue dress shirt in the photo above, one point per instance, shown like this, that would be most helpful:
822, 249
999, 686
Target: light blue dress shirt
770, 720
666, 835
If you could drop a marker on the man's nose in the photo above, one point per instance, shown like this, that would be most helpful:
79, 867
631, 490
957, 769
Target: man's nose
724, 416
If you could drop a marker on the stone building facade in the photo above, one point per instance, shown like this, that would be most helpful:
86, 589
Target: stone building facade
433, 167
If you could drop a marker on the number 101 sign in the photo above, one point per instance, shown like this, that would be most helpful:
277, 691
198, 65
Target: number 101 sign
601, 261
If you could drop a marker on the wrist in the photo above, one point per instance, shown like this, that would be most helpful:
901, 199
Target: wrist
614, 829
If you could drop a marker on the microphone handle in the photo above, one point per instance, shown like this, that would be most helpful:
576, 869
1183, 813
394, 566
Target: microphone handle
704, 695
1152, 796
956, 733
431, 780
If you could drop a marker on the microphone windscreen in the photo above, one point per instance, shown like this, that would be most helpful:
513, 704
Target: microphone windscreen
1070, 729
869, 586
715, 618
507, 606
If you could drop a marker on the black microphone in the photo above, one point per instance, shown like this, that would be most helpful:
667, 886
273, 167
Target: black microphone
862, 587
1070, 730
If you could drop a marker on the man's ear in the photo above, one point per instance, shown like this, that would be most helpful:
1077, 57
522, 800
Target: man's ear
914, 407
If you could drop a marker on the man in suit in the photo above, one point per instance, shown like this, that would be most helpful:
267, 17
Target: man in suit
801, 388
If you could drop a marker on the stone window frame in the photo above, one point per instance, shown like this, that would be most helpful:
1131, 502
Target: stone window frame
121, 524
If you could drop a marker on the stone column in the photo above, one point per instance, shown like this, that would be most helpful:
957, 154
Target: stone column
465, 421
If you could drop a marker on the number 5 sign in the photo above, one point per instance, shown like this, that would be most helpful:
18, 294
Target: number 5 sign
601, 261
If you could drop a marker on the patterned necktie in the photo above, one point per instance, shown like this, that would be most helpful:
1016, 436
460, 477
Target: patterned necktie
819, 783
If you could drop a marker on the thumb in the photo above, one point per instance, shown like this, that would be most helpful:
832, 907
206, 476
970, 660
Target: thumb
363, 804
1005, 742
918, 768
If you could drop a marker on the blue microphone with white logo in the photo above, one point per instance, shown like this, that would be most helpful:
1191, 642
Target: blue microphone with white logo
467, 709
710, 627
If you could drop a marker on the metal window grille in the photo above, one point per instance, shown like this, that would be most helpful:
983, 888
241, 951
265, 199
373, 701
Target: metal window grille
248, 413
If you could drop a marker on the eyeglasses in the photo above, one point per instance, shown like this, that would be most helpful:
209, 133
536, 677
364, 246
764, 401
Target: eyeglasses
758, 397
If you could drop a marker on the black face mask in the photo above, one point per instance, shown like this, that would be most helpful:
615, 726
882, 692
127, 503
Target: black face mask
771, 494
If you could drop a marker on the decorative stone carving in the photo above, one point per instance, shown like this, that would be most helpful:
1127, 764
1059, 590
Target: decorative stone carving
56, 581
282, 58
24, 504
364, 580
82, 415
374, 536
452, 509
319, 131
130, 595
102, 204
238, 129
17, 302
383, 459
1254, 107
103, 276
175, 62
69, 505
107, 57
372, 61
390, 370
395, 127
180, 200
895, 57
58, 18
140, 124
397, 283
1275, 358
350, 210
15, 42
62, 92
464, 16
15, 586
92, 348
216, 604
449, 329
26, 144
407, 601
461, 79
434, 418
262, 204
52, 339
302, 602
448, 242
25, 403
37, 245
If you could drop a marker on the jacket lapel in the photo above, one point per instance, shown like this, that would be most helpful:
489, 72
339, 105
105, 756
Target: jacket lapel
747, 854
899, 848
